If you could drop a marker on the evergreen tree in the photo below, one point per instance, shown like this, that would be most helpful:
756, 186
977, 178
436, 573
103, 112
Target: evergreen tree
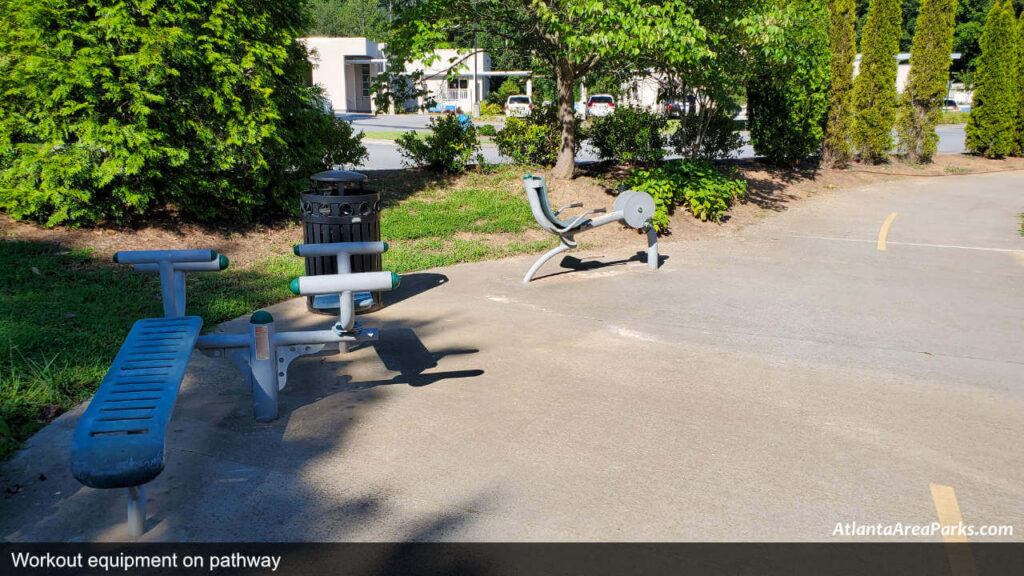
836, 148
921, 104
875, 95
1020, 84
992, 127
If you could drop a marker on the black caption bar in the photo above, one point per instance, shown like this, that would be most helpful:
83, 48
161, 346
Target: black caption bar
423, 559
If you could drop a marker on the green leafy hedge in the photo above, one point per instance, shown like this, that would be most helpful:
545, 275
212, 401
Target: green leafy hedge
114, 108
534, 140
629, 136
787, 95
449, 148
695, 184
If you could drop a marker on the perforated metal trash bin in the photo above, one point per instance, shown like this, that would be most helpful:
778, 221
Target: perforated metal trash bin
339, 208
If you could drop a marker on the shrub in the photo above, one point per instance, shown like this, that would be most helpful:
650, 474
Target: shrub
535, 139
787, 97
114, 109
629, 136
510, 87
921, 104
490, 109
874, 89
992, 123
487, 130
448, 148
707, 192
707, 134
836, 149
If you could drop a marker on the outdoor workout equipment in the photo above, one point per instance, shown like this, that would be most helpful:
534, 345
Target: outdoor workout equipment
119, 442
632, 208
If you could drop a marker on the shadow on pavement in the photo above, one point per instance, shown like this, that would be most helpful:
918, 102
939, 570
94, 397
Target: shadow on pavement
572, 264
413, 285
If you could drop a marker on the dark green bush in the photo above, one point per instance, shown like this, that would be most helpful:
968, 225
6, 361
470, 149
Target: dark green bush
708, 134
112, 109
448, 148
629, 136
510, 87
787, 96
487, 130
533, 140
707, 192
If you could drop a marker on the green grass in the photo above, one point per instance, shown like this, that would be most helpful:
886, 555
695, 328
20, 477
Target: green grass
391, 134
64, 315
954, 117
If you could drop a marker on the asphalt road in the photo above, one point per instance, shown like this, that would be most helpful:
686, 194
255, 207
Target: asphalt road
856, 358
385, 156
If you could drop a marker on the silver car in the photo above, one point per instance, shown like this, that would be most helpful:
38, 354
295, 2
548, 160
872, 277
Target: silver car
600, 105
518, 106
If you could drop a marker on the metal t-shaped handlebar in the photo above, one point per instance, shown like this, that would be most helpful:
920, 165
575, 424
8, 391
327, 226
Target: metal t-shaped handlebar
172, 266
345, 282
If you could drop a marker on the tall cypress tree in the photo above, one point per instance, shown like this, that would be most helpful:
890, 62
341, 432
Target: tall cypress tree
874, 89
1020, 84
921, 103
992, 127
836, 148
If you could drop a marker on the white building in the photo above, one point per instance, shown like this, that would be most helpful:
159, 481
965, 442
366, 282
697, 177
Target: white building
471, 82
346, 68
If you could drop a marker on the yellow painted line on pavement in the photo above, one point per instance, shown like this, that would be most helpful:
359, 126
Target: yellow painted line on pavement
885, 231
961, 560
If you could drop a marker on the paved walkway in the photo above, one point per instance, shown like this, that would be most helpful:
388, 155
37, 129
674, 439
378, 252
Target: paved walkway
765, 386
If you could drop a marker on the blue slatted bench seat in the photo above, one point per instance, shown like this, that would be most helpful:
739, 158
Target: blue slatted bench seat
119, 442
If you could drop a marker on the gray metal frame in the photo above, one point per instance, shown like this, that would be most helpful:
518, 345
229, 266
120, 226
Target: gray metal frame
632, 208
262, 354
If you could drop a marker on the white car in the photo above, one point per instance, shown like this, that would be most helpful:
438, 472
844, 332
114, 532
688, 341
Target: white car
600, 105
518, 106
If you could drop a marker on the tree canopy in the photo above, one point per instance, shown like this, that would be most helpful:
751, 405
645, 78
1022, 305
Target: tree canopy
572, 38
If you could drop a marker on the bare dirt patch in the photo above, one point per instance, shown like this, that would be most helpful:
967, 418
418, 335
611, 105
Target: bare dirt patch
770, 190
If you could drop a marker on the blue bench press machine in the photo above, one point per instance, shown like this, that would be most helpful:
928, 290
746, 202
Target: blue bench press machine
119, 442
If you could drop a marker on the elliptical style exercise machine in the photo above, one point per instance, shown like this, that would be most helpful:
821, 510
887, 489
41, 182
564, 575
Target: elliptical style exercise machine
632, 208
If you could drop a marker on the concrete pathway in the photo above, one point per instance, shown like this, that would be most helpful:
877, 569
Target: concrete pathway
764, 386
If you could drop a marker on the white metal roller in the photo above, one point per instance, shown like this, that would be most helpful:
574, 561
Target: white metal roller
338, 283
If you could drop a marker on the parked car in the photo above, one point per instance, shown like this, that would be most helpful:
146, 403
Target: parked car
680, 106
950, 104
518, 106
600, 105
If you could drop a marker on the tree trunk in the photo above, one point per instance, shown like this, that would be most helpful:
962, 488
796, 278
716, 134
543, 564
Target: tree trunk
565, 78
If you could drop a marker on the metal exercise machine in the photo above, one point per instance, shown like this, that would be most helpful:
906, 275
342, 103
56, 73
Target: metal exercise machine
632, 208
120, 439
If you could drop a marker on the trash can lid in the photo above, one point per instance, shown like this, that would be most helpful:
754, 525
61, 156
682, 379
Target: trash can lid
337, 176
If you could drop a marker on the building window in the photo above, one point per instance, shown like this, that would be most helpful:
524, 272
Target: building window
458, 84
365, 72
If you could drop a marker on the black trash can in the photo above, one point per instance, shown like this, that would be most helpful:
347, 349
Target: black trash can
338, 208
